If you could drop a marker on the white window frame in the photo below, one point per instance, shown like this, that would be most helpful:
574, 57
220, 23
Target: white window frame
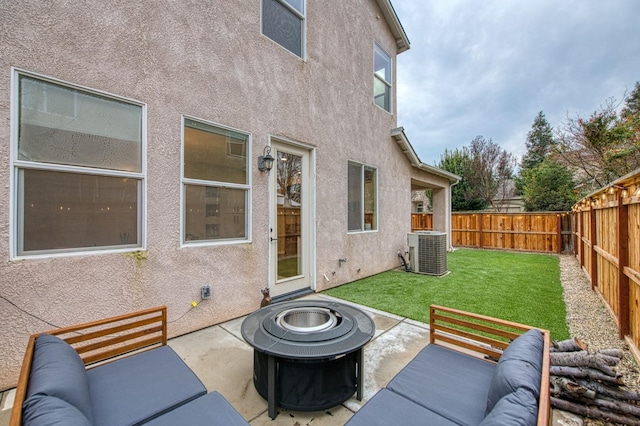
377, 49
15, 253
299, 15
362, 198
197, 182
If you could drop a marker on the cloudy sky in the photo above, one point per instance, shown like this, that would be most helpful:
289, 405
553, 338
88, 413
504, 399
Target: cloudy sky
487, 67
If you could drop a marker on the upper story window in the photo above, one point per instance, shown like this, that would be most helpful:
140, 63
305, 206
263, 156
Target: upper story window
283, 21
363, 198
78, 169
382, 78
215, 181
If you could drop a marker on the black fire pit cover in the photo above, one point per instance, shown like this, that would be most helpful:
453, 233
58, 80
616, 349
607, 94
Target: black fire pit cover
265, 332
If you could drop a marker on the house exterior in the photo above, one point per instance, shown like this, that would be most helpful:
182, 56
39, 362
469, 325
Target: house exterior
420, 202
132, 135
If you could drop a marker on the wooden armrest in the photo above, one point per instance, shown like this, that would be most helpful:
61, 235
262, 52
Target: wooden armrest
99, 341
487, 337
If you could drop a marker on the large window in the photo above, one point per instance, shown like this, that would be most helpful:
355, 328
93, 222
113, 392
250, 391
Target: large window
78, 169
363, 198
283, 21
382, 78
215, 183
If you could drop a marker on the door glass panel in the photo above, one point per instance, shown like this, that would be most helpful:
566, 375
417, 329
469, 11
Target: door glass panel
289, 223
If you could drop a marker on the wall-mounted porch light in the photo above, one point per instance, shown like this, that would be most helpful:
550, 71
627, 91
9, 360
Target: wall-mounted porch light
265, 161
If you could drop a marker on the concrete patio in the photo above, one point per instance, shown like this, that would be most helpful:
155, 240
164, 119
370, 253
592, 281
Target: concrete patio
224, 362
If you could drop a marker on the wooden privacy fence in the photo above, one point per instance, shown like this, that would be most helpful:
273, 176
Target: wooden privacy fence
607, 245
422, 221
539, 232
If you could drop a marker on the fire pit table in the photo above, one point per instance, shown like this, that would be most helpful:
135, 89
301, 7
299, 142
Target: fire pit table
308, 355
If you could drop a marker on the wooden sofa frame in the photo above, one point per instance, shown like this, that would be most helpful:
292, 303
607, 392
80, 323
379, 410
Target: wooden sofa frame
486, 337
99, 342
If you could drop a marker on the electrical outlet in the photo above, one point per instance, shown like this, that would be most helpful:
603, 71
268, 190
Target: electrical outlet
205, 292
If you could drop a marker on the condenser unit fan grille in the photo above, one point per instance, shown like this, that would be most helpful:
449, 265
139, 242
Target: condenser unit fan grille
428, 252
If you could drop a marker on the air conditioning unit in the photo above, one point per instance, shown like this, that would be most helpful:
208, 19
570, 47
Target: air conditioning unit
428, 252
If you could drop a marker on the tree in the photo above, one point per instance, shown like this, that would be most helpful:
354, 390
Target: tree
455, 162
549, 187
489, 173
605, 146
545, 185
632, 103
539, 142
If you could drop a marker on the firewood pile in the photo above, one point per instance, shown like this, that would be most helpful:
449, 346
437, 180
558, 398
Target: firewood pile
587, 384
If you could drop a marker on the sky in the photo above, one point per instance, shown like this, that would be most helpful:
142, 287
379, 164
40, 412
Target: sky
487, 67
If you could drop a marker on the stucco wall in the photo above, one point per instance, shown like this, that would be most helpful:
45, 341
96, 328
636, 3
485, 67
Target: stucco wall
206, 60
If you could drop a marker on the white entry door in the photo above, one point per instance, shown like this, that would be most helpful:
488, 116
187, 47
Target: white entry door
290, 233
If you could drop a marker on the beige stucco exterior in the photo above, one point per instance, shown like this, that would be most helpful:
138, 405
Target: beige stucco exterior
207, 60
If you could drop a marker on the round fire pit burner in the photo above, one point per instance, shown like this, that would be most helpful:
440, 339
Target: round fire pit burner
308, 355
307, 320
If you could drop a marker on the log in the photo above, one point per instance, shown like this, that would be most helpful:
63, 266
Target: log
584, 373
581, 359
618, 353
594, 412
611, 392
569, 345
561, 386
603, 358
618, 406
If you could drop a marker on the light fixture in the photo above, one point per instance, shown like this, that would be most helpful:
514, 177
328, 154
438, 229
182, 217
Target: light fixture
265, 161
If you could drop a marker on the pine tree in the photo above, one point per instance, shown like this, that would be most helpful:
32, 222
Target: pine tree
539, 142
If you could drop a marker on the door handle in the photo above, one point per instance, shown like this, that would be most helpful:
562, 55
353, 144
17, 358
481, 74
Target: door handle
273, 239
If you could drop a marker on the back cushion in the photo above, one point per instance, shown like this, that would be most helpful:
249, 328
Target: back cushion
58, 371
42, 410
519, 408
520, 366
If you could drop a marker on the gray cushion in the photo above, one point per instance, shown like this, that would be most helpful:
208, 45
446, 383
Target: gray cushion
43, 410
142, 387
388, 408
57, 370
440, 379
211, 409
519, 408
520, 366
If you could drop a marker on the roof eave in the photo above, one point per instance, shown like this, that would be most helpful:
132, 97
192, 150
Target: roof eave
399, 136
389, 14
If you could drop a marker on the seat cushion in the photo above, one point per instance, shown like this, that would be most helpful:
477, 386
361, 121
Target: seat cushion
388, 408
141, 387
520, 366
519, 408
58, 371
208, 410
440, 379
43, 410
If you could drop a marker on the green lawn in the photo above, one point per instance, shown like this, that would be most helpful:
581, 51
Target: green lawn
520, 287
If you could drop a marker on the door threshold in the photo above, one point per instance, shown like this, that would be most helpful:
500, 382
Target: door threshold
292, 295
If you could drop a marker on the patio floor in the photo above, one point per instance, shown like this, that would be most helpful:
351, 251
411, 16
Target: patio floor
224, 362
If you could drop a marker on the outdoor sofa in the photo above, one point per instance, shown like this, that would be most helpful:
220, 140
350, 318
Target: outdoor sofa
116, 371
477, 370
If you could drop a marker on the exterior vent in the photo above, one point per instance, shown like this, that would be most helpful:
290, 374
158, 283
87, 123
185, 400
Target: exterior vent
428, 252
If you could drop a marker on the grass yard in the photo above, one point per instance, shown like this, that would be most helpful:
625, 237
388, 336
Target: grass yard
520, 287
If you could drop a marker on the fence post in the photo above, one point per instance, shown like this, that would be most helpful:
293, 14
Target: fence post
480, 230
624, 326
594, 253
559, 233
580, 246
